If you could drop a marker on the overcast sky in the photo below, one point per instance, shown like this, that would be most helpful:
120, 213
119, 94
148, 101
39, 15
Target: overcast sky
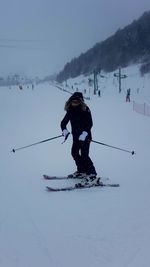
38, 37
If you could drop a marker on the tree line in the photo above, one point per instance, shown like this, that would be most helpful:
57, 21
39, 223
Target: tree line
127, 46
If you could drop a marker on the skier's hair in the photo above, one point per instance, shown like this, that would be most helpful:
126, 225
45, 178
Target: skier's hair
69, 101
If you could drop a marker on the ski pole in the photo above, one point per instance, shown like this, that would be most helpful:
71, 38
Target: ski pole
132, 152
46, 140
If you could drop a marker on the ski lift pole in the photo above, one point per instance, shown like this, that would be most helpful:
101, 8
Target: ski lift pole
131, 152
43, 141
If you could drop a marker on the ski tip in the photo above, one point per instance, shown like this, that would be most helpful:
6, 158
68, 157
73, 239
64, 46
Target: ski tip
108, 184
49, 189
115, 185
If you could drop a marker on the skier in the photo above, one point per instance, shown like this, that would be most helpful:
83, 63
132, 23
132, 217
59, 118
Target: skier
79, 115
128, 95
99, 93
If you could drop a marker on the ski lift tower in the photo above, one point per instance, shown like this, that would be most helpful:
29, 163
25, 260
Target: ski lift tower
120, 76
96, 72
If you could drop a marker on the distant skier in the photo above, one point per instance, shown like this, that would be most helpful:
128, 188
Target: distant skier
90, 82
128, 95
79, 115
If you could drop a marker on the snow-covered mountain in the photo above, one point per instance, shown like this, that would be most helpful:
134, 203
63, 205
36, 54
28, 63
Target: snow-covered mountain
126, 46
105, 227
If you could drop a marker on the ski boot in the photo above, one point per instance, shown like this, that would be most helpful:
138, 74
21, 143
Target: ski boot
89, 180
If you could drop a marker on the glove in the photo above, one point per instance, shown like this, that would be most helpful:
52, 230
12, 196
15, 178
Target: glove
65, 132
83, 136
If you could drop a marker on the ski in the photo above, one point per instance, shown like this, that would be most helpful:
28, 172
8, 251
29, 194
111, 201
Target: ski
53, 177
48, 177
71, 188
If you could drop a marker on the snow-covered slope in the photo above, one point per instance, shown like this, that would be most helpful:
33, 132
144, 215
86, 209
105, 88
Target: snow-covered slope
105, 227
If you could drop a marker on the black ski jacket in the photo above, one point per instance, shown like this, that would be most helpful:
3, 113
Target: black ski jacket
80, 121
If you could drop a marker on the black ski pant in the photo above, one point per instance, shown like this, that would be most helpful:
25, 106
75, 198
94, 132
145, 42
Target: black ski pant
80, 153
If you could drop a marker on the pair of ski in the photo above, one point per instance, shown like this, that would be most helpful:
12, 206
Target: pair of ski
74, 187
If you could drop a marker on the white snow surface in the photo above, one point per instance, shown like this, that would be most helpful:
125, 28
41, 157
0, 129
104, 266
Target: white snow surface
107, 227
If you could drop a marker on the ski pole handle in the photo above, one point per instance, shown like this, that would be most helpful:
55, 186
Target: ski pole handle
66, 137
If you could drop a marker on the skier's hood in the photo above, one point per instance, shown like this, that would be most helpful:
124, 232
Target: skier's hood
77, 95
